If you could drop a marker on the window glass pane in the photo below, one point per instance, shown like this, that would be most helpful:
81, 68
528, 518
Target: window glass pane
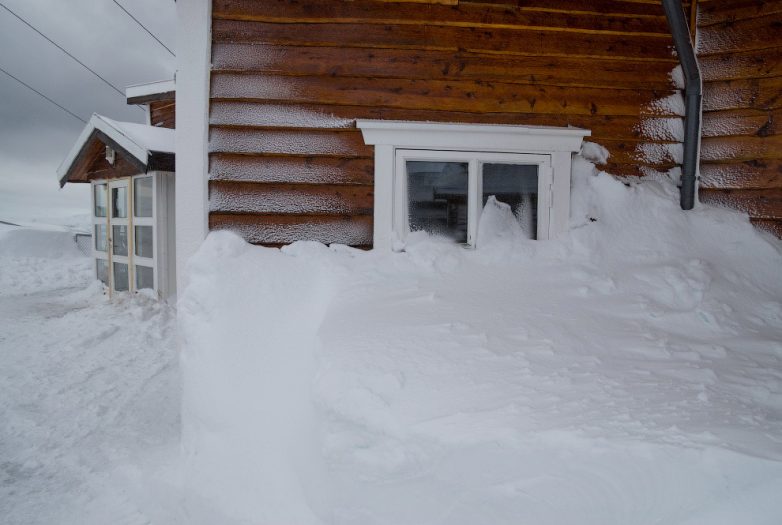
100, 200
143, 240
144, 277
517, 186
437, 198
102, 270
120, 277
142, 197
100, 237
119, 202
119, 240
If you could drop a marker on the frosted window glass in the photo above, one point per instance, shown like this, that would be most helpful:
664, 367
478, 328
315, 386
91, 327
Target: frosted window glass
102, 270
119, 240
142, 197
100, 200
517, 186
119, 202
121, 277
437, 198
143, 240
100, 237
144, 277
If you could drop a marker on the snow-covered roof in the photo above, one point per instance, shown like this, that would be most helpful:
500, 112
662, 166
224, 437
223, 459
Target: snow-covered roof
140, 93
137, 140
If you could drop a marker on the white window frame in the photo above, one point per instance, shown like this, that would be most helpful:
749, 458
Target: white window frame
148, 262
100, 221
475, 161
467, 140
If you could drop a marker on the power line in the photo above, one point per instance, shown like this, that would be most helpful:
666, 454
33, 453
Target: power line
58, 46
144, 27
31, 88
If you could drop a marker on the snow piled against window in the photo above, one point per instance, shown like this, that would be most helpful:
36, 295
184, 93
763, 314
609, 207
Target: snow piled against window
627, 373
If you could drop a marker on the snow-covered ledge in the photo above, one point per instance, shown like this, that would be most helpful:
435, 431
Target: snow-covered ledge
389, 135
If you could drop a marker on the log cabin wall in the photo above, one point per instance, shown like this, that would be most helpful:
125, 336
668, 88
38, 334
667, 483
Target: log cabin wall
740, 52
162, 113
290, 77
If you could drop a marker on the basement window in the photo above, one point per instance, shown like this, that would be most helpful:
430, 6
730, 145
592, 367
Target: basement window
438, 177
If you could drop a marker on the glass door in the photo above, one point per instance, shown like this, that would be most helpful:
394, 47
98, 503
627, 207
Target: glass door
119, 231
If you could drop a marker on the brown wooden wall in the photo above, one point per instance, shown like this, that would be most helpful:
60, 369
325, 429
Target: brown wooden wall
290, 77
740, 52
163, 113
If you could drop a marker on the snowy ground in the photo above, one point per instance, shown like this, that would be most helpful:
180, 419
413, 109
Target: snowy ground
89, 390
630, 373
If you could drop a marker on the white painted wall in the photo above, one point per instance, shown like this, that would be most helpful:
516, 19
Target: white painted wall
192, 100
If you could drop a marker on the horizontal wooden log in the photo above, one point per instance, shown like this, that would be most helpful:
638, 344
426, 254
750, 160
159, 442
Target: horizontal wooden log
720, 12
284, 229
467, 96
477, 40
651, 10
313, 116
762, 63
635, 169
264, 198
741, 148
312, 170
440, 65
758, 204
742, 122
163, 113
772, 226
463, 15
751, 174
740, 35
647, 153
347, 143
764, 93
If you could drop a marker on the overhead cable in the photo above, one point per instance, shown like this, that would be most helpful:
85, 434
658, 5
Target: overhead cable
58, 46
31, 88
144, 27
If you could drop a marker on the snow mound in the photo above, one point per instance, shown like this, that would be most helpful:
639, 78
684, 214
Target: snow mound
24, 242
628, 373
34, 260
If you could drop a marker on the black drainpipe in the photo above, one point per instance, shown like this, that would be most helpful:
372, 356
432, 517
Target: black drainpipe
692, 104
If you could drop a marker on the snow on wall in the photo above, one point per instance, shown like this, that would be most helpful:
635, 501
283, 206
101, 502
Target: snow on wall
656, 153
335, 230
251, 114
671, 129
286, 142
290, 170
671, 105
255, 199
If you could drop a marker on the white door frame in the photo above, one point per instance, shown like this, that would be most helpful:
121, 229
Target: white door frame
127, 222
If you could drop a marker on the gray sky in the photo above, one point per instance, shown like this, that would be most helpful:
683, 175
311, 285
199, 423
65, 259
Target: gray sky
35, 136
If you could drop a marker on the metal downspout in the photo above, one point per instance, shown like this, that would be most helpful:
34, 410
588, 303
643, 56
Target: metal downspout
692, 104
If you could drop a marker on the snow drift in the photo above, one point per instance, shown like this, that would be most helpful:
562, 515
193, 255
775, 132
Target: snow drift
628, 373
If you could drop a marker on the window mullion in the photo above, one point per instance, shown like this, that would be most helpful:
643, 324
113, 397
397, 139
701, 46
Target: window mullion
473, 201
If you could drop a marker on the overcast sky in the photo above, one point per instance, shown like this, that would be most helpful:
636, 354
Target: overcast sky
35, 136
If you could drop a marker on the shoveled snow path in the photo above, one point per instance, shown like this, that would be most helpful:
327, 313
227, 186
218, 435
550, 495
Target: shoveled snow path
88, 395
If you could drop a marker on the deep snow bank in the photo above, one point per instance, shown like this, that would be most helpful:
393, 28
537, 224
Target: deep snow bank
629, 373
33, 260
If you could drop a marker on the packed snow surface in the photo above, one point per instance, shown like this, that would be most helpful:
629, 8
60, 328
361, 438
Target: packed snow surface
89, 391
628, 373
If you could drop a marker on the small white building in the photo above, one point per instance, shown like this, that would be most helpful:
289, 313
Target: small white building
130, 167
